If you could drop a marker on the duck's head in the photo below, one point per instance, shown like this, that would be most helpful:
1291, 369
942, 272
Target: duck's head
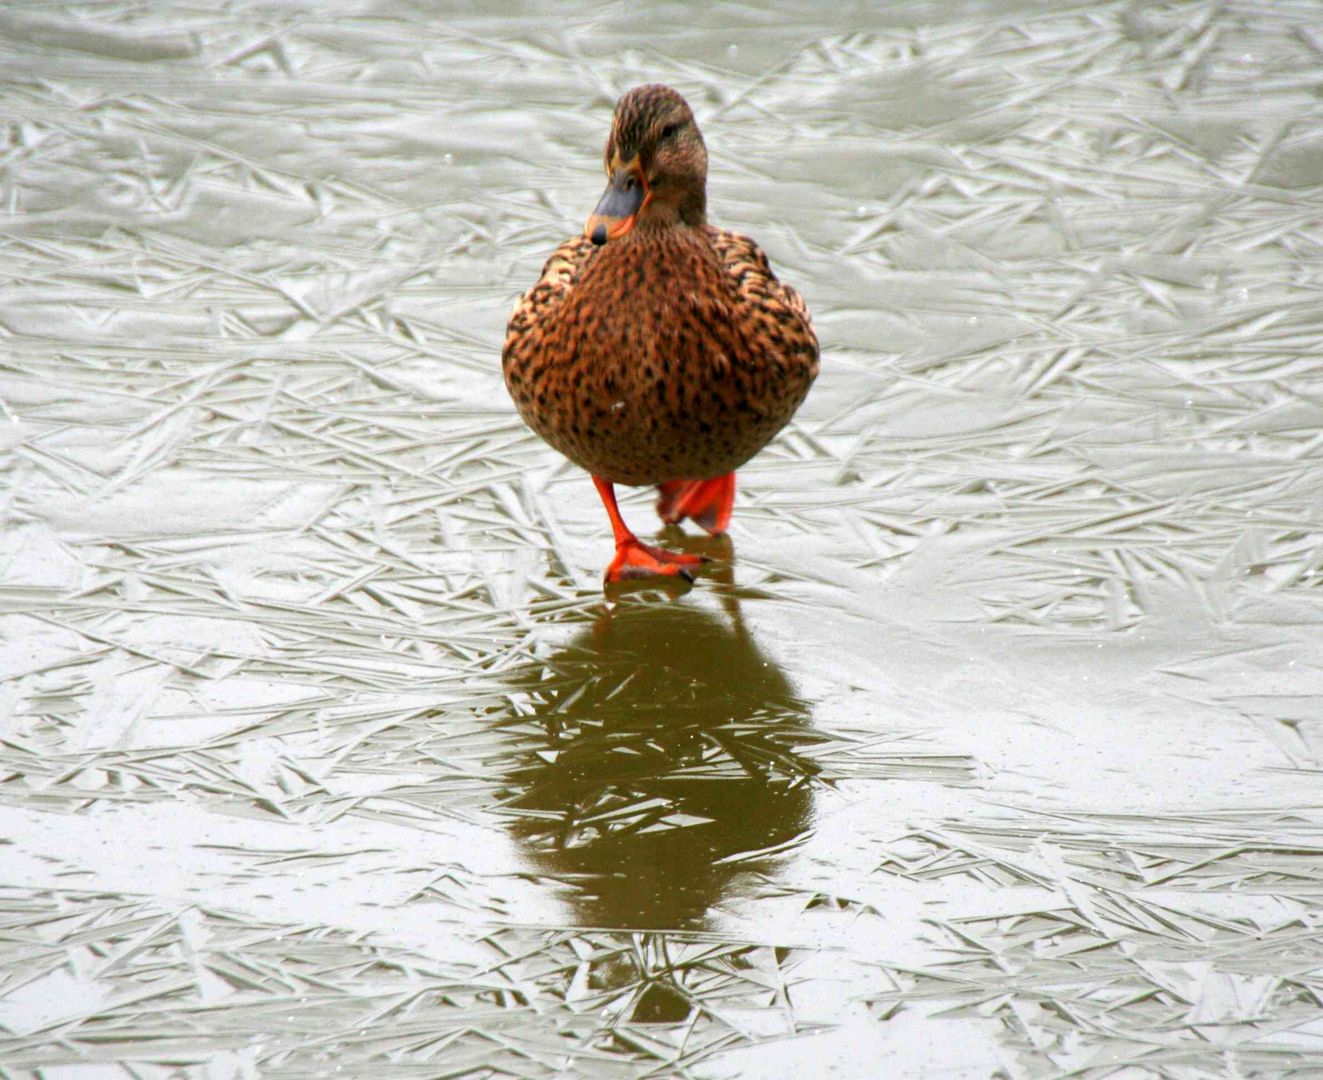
656, 166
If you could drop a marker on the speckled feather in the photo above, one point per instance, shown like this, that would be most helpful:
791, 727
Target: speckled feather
666, 354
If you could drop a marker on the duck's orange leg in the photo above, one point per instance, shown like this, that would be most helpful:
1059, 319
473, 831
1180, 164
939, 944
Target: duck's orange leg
708, 502
635, 559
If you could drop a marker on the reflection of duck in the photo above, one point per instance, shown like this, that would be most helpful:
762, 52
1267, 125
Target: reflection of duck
658, 349
668, 748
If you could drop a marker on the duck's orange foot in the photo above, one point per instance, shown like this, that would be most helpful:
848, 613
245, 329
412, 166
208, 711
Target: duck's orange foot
707, 502
635, 559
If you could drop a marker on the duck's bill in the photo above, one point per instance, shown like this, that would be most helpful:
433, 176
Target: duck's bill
618, 208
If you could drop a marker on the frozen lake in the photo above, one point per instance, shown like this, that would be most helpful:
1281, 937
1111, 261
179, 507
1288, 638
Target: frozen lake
993, 747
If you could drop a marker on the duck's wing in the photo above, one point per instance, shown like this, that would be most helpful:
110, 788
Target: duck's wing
769, 297
559, 275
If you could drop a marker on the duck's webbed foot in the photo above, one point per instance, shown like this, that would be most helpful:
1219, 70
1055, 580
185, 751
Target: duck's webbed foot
707, 502
635, 559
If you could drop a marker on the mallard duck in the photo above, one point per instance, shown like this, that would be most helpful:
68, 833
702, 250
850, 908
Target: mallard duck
656, 349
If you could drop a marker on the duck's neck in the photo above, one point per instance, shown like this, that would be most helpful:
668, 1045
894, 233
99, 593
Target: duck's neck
690, 209
693, 211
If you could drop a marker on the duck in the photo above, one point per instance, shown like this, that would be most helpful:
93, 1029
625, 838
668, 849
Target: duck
656, 349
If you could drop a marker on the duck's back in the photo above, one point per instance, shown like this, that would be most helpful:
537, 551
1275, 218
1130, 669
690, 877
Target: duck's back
667, 354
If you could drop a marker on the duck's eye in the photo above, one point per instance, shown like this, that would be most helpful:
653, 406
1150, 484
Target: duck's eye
669, 130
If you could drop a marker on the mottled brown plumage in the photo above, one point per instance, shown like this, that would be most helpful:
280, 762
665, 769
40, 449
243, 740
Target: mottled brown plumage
664, 349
